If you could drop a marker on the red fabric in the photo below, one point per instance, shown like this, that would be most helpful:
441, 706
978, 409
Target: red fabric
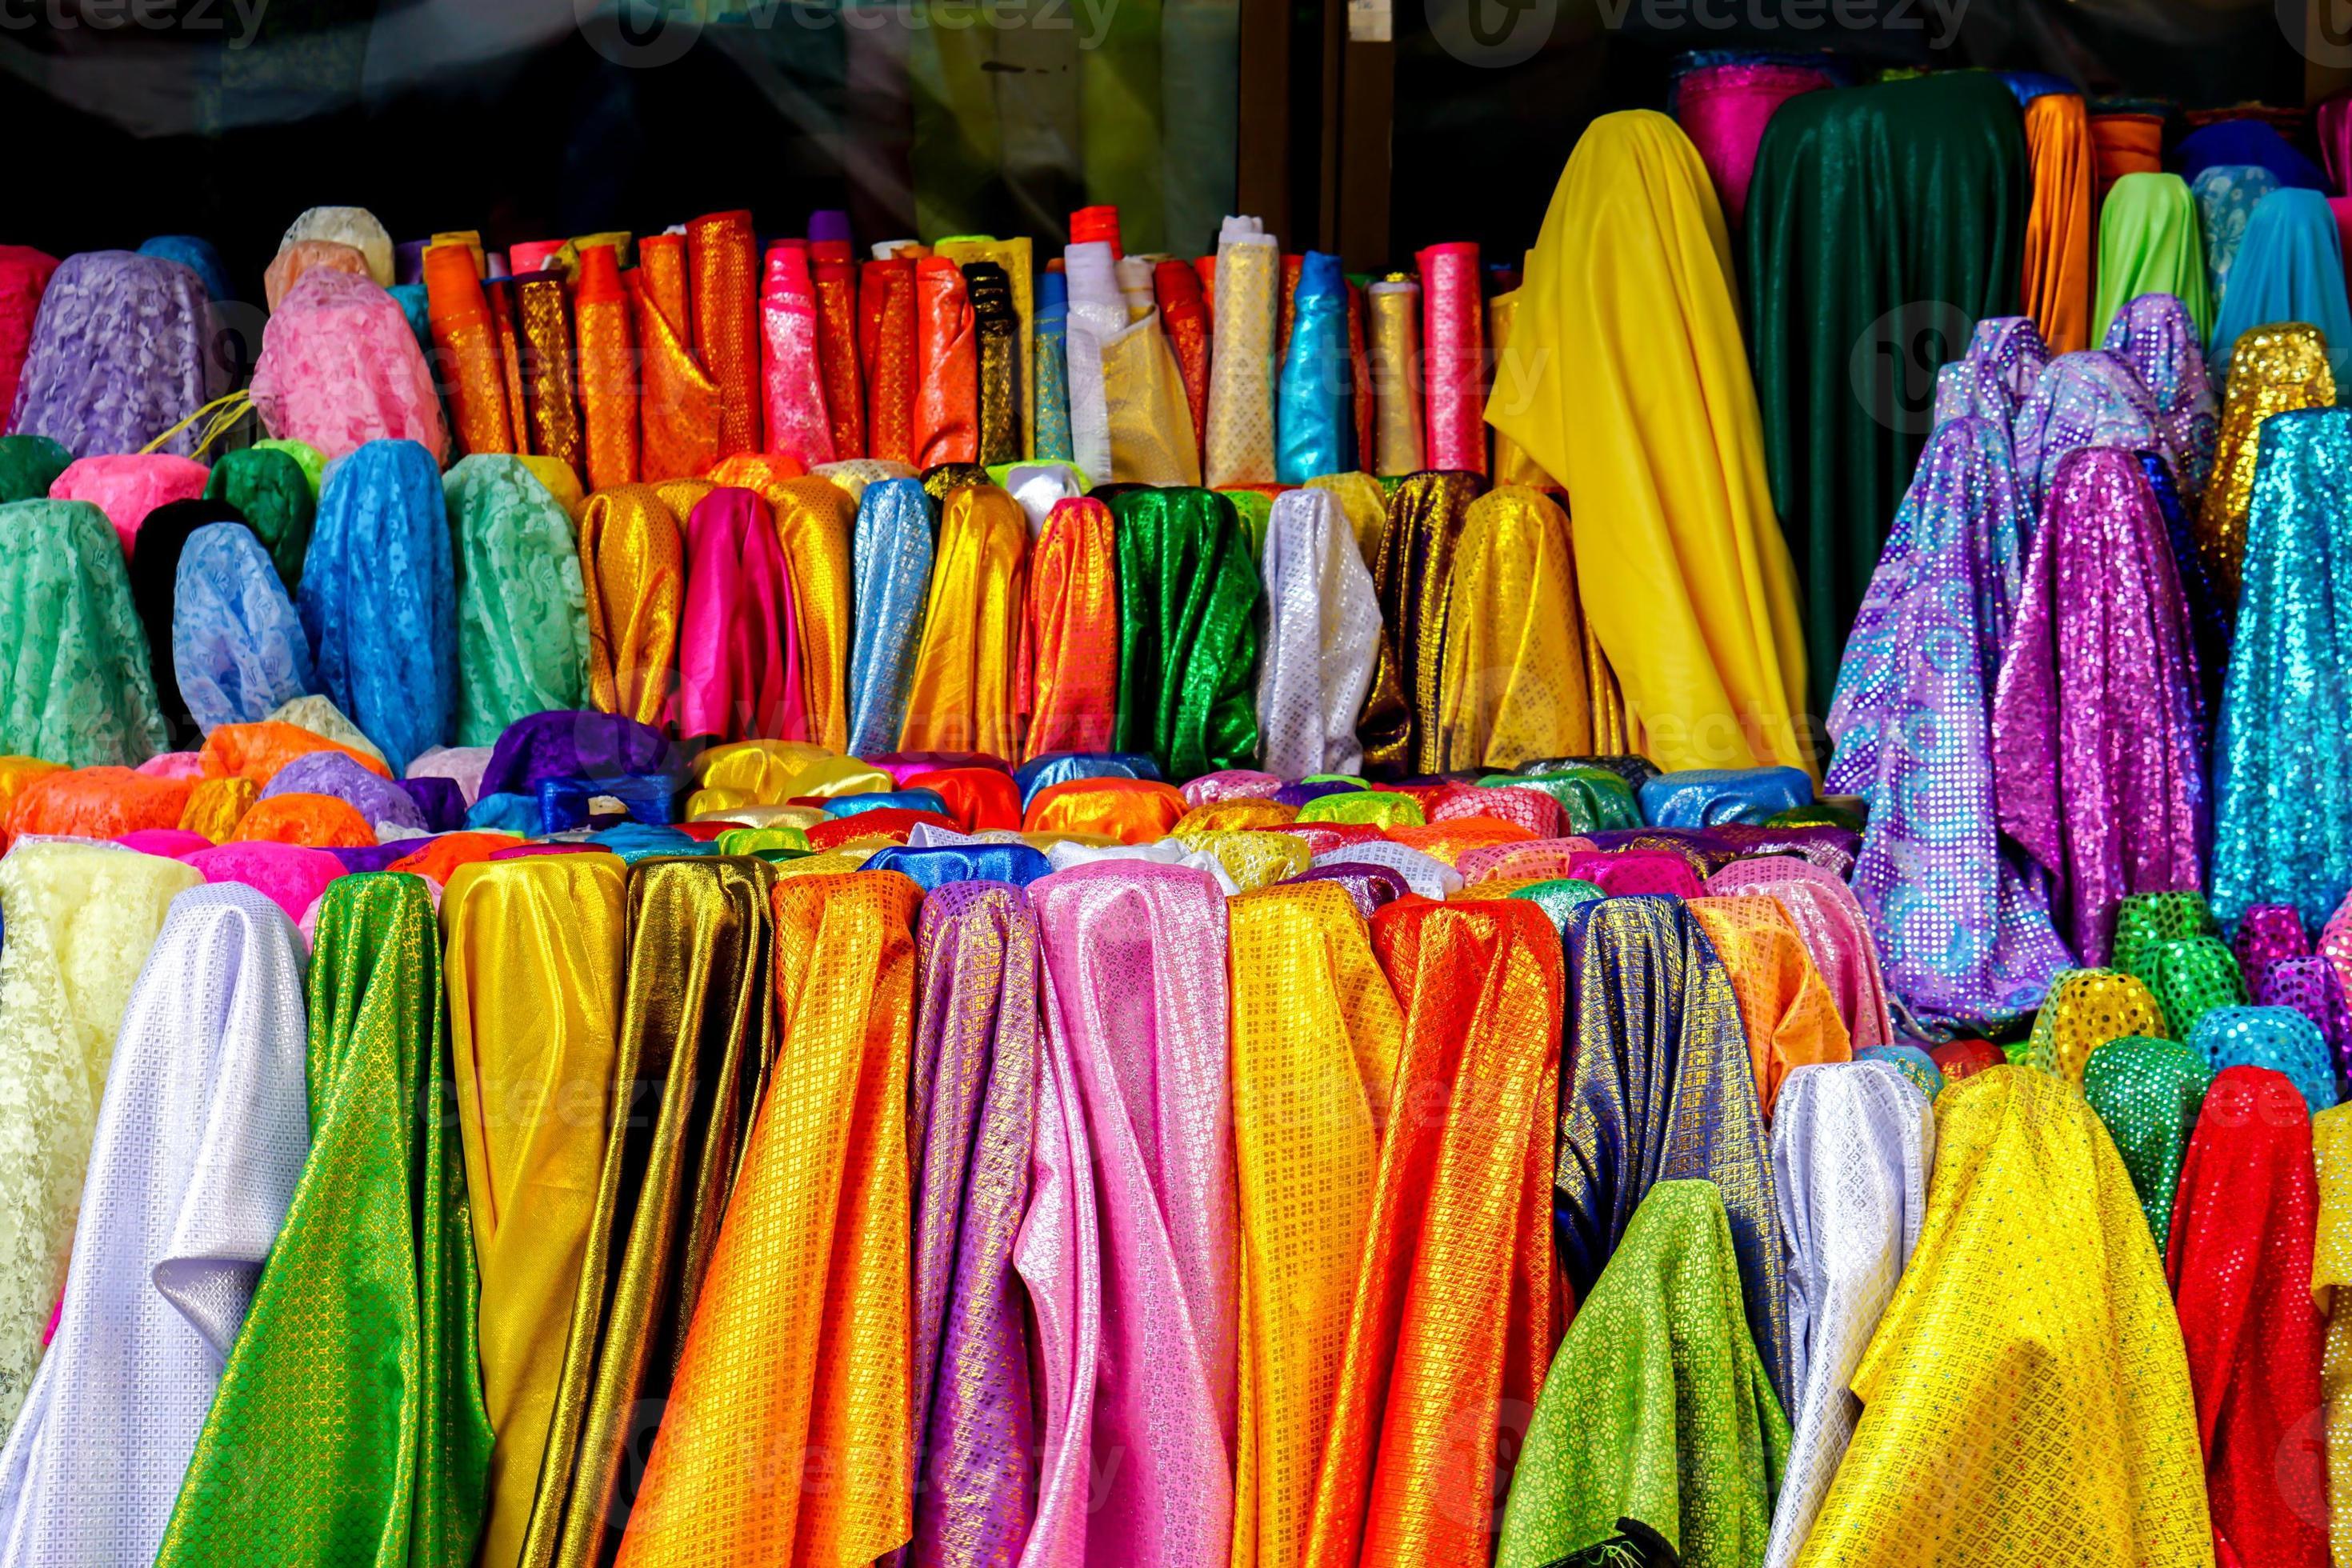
1961, 1057
2243, 1227
947, 367
703, 832
979, 799
24, 277
886, 342
1359, 365
1184, 315
889, 820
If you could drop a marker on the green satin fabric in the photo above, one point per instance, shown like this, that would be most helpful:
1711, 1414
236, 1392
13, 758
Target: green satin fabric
522, 608
277, 498
1188, 636
696, 1041
348, 1427
1882, 223
1560, 898
1400, 729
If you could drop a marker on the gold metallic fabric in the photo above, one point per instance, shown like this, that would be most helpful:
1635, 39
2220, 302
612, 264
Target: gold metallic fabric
814, 522
961, 698
1395, 332
690, 1061
723, 260
1315, 1036
465, 349
799, 1353
2025, 1399
2084, 1009
1513, 685
1366, 508
534, 980
551, 392
1512, 464
217, 806
1151, 422
1401, 721
633, 569
1015, 256
2273, 370
1240, 444
1253, 860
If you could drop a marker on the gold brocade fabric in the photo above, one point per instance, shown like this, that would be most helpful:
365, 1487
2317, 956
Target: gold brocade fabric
1366, 505
797, 1365
1236, 816
534, 979
551, 395
691, 1056
2273, 370
2025, 1399
1454, 1317
632, 570
1240, 438
2331, 1287
608, 374
1614, 732
1394, 331
1252, 860
678, 403
723, 260
1015, 256
814, 522
961, 698
1151, 422
1400, 728
1513, 685
1316, 1035
2084, 1009
832, 862
1784, 1003
217, 806
1512, 464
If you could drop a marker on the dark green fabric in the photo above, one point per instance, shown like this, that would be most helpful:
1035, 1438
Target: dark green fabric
1188, 598
1882, 223
270, 490
29, 465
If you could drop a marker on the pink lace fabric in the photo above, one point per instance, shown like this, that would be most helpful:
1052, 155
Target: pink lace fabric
127, 488
340, 368
1831, 920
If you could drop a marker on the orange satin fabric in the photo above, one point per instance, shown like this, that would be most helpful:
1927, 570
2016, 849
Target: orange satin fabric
1066, 670
677, 407
885, 342
1132, 811
608, 370
796, 1366
1785, 1005
960, 695
442, 856
979, 799
633, 571
723, 262
947, 367
257, 751
1451, 839
319, 821
2125, 144
1455, 1315
98, 803
2059, 234
465, 349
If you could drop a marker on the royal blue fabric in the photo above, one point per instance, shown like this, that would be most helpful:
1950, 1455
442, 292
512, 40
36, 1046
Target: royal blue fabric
934, 867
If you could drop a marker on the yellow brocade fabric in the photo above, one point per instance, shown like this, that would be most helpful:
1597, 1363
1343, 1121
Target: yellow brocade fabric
813, 522
1512, 464
552, 401
217, 806
1252, 860
1151, 422
1316, 1034
2273, 370
2086, 1009
1626, 379
2331, 1287
633, 569
2025, 1399
1236, 816
534, 979
691, 1057
830, 863
961, 698
1393, 349
797, 1363
560, 480
1239, 442
1367, 509
1513, 685
1785, 1005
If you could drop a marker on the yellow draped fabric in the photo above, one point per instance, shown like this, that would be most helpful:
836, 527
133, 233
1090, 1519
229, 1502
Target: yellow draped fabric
534, 982
1151, 422
217, 806
1626, 378
1513, 684
1236, 816
2025, 1399
1253, 860
769, 773
560, 480
1315, 1036
814, 520
962, 698
1785, 1005
2331, 1287
1367, 509
633, 567
796, 1365
1512, 464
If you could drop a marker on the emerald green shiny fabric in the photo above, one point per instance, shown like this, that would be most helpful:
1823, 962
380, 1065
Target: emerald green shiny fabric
1657, 1424
1560, 898
349, 1428
1882, 224
75, 685
1591, 800
1188, 636
278, 500
2190, 977
2149, 1092
2146, 920
29, 465
522, 611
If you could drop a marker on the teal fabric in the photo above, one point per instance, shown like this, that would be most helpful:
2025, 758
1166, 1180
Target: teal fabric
75, 686
522, 613
2289, 267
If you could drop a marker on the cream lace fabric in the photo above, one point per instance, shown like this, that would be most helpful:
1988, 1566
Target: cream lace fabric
1323, 630
80, 921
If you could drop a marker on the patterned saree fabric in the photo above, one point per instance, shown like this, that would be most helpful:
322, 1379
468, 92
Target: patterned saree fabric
633, 594
1790, 1017
75, 688
738, 657
522, 628
1322, 636
1399, 727
960, 693
1187, 594
891, 554
1067, 671
2050, 1320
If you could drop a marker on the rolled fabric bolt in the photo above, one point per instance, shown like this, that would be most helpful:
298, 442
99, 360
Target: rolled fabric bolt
1454, 349
791, 383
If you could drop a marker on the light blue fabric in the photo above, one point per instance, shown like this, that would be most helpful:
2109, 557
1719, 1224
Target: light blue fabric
378, 601
2279, 1038
633, 841
198, 256
237, 642
1910, 1061
2289, 268
891, 561
1052, 422
2226, 195
1312, 431
505, 812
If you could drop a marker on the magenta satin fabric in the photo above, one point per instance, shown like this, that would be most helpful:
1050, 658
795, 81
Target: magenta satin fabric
739, 663
1829, 919
1724, 110
1136, 1043
1621, 872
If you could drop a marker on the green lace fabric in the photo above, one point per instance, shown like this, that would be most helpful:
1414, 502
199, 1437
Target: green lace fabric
75, 685
522, 611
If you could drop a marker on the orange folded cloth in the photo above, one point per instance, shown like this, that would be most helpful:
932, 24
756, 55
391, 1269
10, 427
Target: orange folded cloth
442, 856
318, 821
947, 367
724, 261
1133, 811
885, 342
608, 370
257, 751
465, 351
2059, 238
98, 803
678, 406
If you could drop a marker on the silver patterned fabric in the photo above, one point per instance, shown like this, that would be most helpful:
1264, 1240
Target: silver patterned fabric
1323, 629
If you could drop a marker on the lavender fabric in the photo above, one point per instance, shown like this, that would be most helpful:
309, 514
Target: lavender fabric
120, 355
1963, 935
2087, 399
972, 1114
439, 801
1368, 886
2005, 358
1299, 795
2154, 336
2312, 986
571, 743
373, 796
2098, 757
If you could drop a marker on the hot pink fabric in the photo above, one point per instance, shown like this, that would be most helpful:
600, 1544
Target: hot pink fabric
739, 663
1539, 858
904, 765
1529, 809
1831, 920
1724, 110
340, 368
1619, 873
126, 487
2332, 125
174, 766
24, 276
288, 874
2342, 207
1231, 784
1136, 1037
791, 387
170, 843
2334, 943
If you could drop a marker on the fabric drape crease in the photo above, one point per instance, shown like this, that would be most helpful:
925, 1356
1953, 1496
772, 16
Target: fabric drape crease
1321, 639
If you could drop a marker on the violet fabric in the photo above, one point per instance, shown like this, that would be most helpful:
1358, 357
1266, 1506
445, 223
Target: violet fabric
1368, 886
2154, 336
439, 801
2098, 757
2005, 358
364, 857
571, 744
2310, 986
373, 796
2267, 933
2209, 615
1299, 795
2087, 399
1829, 919
120, 353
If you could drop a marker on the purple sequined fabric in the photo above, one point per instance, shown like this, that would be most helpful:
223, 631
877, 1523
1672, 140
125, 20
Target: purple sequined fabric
2153, 335
2098, 760
2312, 987
2088, 399
2004, 359
2267, 935
120, 353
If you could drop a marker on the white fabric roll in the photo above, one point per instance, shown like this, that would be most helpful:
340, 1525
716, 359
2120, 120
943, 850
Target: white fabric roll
1098, 315
1425, 874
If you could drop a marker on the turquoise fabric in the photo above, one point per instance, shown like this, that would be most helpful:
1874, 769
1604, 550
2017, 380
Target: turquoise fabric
892, 570
75, 687
2290, 267
522, 613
